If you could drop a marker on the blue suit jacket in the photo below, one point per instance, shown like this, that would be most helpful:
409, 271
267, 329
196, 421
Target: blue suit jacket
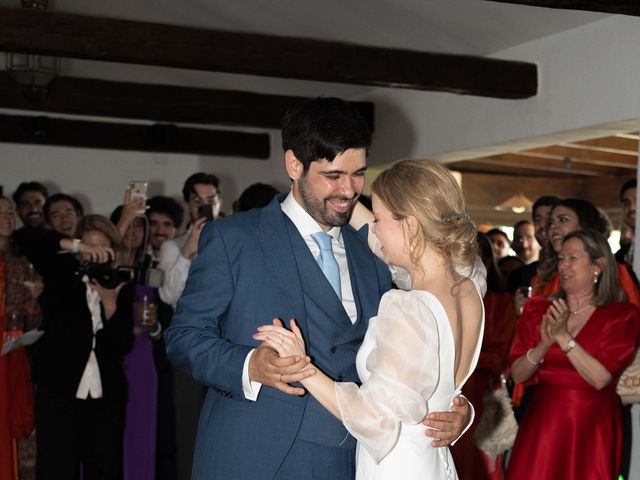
251, 268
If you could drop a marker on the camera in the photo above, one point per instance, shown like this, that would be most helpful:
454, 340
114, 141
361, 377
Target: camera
105, 274
110, 277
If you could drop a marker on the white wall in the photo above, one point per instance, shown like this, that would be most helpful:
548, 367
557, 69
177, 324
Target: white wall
588, 76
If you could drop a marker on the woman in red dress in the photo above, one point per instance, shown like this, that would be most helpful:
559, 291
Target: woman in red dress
577, 344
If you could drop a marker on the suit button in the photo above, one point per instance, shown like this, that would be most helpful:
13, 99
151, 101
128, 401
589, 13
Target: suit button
340, 378
333, 349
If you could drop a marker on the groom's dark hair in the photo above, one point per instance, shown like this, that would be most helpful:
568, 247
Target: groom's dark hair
322, 128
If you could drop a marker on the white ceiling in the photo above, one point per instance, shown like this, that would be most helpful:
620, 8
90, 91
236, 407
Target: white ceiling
473, 27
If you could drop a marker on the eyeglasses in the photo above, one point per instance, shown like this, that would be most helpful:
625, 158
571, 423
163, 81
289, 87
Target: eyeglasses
199, 201
526, 238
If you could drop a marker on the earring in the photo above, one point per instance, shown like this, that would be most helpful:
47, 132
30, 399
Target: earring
596, 277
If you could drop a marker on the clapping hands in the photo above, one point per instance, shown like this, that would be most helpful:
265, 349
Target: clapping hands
554, 322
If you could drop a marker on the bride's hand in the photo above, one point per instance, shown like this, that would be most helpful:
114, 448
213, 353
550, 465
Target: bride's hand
286, 343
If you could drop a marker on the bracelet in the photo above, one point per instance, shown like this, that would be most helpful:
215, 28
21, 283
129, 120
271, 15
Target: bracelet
157, 331
531, 360
74, 245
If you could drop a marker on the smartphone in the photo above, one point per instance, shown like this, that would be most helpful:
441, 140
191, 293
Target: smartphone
138, 189
206, 211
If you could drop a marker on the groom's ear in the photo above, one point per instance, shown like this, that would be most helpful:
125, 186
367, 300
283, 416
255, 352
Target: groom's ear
294, 167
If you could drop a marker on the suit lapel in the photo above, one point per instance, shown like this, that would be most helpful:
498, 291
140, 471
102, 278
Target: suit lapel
280, 263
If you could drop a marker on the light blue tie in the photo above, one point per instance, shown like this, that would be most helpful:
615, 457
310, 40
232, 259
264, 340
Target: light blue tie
327, 261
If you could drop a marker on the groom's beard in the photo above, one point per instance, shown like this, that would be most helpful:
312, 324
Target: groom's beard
321, 210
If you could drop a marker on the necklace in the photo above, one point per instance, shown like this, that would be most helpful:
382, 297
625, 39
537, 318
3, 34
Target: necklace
580, 310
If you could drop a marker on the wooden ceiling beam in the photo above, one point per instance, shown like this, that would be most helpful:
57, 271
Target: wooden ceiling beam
105, 39
160, 103
575, 162
622, 145
542, 165
584, 156
621, 7
467, 166
120, 136
632, 136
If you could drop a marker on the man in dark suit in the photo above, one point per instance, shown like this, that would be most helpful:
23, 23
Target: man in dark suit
259, 265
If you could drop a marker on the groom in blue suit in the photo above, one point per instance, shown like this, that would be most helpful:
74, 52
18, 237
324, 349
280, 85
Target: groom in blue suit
260, 265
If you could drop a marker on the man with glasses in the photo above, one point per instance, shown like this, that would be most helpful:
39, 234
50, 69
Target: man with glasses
201, 193
524, 241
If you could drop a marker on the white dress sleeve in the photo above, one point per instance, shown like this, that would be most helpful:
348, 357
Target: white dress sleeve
404, 370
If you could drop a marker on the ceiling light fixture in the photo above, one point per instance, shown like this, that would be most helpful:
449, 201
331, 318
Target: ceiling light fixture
33, 73
517, 203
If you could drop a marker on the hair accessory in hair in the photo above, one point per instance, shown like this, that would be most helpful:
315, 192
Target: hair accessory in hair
456, 218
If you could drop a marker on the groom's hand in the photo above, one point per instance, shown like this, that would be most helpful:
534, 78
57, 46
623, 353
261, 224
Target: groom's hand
445, 427
267, 368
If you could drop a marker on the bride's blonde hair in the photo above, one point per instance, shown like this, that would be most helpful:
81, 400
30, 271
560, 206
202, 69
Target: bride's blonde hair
428, 192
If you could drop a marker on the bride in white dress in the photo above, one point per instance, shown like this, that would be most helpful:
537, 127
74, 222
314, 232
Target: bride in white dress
424, 343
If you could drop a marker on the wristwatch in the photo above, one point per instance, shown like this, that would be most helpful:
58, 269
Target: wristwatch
571, 344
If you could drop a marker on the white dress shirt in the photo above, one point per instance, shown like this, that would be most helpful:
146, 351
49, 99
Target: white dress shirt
90, 382
175, 268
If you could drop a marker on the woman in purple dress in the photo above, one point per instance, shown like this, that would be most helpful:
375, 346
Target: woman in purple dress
139, 366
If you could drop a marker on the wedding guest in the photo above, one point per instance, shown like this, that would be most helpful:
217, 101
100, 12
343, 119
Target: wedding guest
20, 287
569, 215
165, 219
81, 389
63, 212
577, 343
500, 242
628, 200
139, 443
29, 199
524, 242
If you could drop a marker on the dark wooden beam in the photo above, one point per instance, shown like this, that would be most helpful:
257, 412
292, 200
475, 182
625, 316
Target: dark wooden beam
622, 145
66, 35
120, 136
160, 103
543, 165
621, 7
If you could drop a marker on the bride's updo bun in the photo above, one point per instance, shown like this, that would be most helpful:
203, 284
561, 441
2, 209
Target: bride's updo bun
427, 191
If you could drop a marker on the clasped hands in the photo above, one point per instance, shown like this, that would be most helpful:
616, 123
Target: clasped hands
554, 322
279, 363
